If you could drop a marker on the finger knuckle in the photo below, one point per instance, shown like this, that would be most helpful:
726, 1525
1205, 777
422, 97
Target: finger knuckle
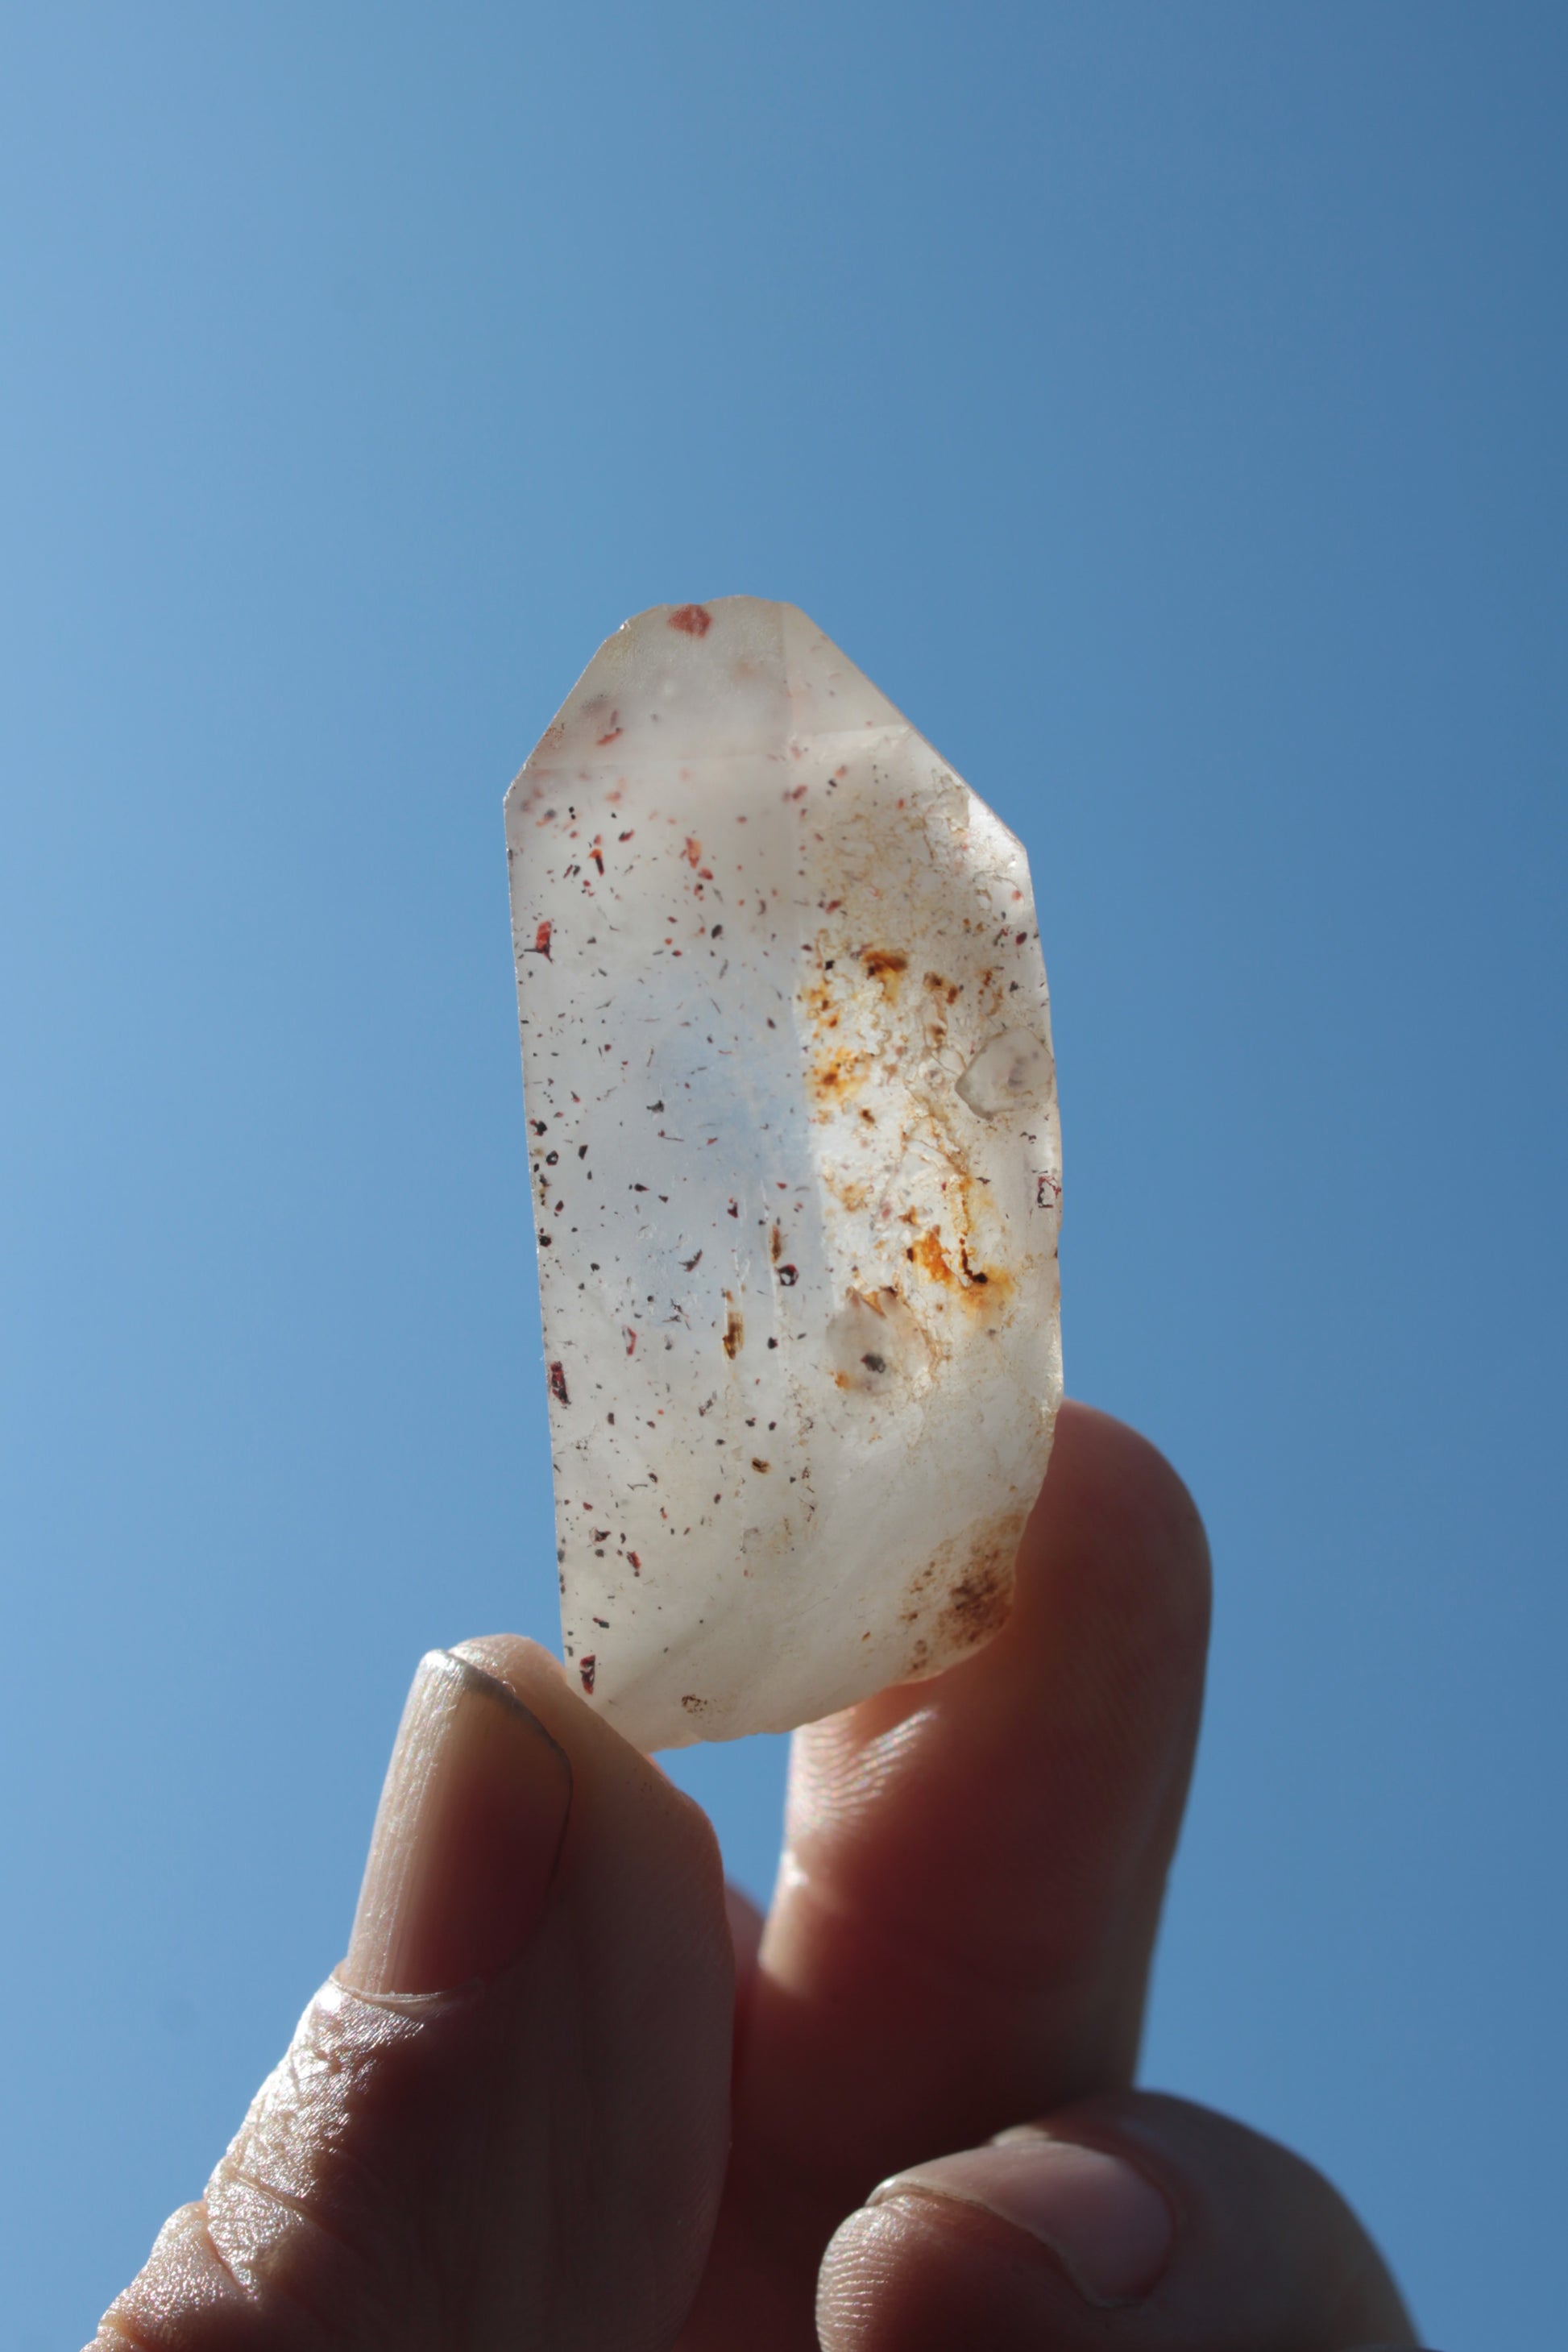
298, 2242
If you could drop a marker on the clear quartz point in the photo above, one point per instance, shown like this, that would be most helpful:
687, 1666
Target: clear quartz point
796, 1177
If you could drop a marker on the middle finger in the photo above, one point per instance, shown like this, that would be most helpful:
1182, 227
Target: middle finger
973, 1874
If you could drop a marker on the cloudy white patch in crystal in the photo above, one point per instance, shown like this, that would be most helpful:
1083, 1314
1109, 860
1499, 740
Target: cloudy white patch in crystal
795, 1174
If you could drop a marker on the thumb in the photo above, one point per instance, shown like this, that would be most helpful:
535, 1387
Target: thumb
1127, 2221
504, 2119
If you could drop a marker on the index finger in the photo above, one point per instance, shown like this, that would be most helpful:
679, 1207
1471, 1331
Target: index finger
973, 1866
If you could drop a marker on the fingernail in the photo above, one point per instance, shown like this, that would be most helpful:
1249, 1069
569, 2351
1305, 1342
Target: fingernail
1109, 2227
467, 1836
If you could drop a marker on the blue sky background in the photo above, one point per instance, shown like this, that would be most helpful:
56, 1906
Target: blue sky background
1165, 405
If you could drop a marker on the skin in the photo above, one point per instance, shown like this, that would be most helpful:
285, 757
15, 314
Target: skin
624, 2115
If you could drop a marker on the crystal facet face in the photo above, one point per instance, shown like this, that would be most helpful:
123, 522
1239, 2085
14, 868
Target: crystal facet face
796, 1177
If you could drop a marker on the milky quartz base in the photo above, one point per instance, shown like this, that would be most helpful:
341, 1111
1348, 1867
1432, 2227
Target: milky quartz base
796, 1177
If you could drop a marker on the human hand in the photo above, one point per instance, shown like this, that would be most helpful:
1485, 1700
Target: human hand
507, 2121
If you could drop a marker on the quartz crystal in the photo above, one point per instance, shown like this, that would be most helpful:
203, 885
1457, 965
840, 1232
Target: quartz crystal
797, 1177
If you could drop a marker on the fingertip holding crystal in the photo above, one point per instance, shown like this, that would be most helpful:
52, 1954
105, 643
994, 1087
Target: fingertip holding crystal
797, 1177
